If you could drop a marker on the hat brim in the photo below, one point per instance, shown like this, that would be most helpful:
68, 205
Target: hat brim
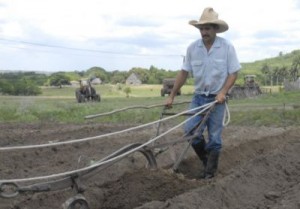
223, 26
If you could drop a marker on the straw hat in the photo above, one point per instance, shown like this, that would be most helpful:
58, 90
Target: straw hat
209, 16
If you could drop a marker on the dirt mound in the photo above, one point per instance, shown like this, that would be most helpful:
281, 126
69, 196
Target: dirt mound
267, 178
259, 168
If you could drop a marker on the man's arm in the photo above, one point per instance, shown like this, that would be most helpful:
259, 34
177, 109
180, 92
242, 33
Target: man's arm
180, 80
228, 84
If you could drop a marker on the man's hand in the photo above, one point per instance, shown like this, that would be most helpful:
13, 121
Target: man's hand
221, 97
169, 102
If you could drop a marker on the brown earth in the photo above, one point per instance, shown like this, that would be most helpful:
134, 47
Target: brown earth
259, 169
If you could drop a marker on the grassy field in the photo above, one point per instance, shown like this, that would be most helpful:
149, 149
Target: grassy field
59, 105
109, 90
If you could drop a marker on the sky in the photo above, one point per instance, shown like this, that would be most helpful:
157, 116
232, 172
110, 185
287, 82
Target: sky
69, 35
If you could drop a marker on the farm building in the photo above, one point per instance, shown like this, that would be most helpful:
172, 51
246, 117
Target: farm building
74, 83
96, 81
133, 79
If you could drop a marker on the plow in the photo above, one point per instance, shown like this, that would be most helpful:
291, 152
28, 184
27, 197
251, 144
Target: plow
74, 179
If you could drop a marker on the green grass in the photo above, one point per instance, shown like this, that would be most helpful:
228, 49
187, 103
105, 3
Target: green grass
66, 110
277, 109
109, 90
279, 98
59, 105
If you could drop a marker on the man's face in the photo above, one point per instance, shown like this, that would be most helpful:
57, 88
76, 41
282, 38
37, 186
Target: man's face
208, 32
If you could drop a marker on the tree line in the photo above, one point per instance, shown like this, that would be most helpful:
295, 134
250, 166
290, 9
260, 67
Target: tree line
152, 75
29, 83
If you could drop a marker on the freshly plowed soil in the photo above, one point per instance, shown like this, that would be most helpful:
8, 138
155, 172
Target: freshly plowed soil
259, 168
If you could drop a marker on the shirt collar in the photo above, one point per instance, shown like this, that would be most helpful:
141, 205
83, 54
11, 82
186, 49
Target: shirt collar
216, 44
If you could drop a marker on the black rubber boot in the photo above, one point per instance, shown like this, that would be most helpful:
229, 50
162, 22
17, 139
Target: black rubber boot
212, 164
199, 148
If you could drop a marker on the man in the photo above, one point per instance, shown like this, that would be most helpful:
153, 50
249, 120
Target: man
214, 65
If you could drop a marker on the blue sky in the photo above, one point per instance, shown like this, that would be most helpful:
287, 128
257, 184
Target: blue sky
68, 35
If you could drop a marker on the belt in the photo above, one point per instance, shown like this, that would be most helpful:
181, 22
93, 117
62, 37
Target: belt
208, 96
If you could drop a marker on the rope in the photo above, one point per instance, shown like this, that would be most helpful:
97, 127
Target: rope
128, 108
68, 173
226, 115
95, 137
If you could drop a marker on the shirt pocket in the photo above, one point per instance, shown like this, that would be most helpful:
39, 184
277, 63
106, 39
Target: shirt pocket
219, 64
197, 68
196, 65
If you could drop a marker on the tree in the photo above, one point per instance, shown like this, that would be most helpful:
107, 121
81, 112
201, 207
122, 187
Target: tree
275, 72
6, 87
80, 73
283, 73
294, 71
21, 83
266, 70
24, 87
59, 79
38, 78
98, 72
118, 77
73, 76
158, 75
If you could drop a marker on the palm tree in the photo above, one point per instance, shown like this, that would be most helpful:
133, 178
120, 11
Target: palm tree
276, 74
283, 73
294, 71
266, 70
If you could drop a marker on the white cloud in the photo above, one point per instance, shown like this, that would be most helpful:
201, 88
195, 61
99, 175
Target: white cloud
258, 29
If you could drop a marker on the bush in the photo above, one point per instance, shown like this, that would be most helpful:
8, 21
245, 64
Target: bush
19, 87
127, 91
